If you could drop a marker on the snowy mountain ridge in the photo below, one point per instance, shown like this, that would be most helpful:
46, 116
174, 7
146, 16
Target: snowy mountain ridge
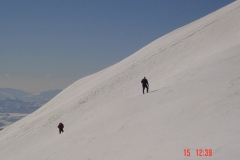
194, 76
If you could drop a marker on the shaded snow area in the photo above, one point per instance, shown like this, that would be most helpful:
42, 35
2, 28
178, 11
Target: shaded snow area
193, 103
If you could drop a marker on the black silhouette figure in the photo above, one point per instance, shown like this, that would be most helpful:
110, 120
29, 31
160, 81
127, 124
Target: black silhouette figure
60, 127
145, 84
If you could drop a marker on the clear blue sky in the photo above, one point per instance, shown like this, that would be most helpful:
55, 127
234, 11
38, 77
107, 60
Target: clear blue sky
49, 44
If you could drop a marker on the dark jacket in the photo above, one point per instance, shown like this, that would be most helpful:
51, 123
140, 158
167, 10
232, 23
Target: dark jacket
144, 82
60, 126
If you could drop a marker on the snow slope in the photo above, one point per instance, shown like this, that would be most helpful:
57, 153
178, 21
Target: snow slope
194, 76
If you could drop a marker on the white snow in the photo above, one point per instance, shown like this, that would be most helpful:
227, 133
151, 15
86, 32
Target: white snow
194, 103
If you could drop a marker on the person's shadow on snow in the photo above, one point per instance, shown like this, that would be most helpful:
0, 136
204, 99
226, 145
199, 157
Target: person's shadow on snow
154, 90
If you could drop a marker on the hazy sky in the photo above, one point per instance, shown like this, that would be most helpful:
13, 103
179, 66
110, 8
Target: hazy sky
49, 44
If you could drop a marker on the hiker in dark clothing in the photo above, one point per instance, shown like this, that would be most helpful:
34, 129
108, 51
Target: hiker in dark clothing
60, 127
145, 84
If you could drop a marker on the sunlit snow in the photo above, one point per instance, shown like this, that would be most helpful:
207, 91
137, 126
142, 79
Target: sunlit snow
193, 103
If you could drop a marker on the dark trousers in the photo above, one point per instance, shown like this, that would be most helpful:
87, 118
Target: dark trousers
60, 130
145, 86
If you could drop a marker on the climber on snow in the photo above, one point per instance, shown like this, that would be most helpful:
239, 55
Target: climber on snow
145, 84
60, 127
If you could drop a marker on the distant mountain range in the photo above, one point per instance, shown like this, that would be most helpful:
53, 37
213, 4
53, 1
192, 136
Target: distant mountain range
25, 96
11, 93
15, 104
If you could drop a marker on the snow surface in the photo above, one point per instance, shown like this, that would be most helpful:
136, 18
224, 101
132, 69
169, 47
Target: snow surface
194, 103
